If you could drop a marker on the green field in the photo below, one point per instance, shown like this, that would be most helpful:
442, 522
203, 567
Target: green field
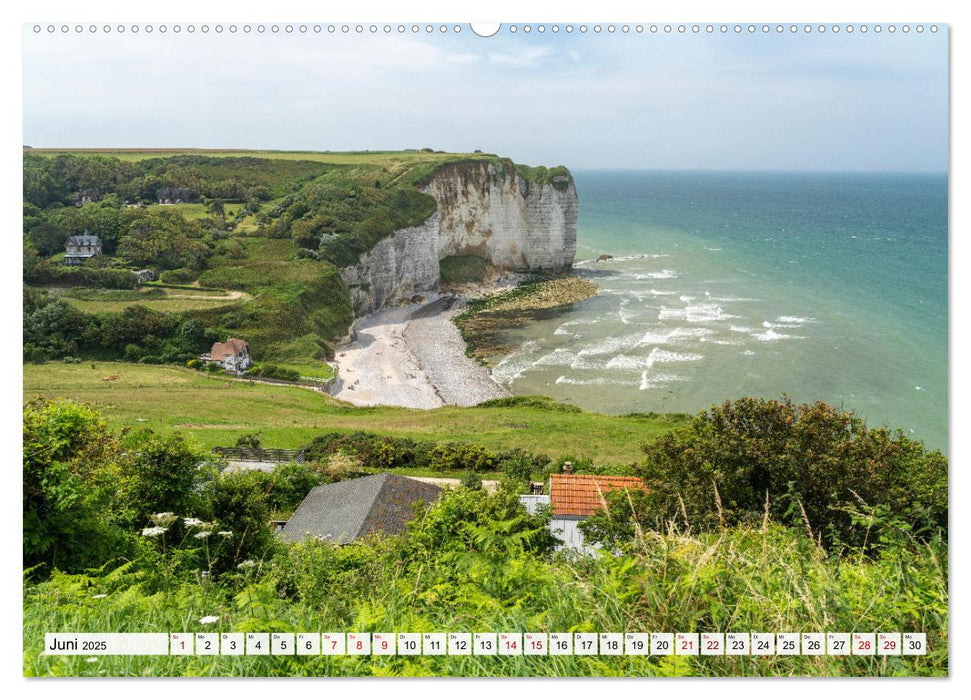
381, 158
216, 411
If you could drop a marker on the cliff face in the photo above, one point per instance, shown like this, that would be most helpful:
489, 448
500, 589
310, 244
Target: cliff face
485, 209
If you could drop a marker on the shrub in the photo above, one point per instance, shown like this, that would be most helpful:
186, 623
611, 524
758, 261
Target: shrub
471, 480
456, 456
70, 484
182, 275
808, 463
159, 474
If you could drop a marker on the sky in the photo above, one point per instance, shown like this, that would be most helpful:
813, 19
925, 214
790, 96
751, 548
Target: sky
655, 101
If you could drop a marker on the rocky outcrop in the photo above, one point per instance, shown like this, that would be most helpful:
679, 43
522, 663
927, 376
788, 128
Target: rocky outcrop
485, 208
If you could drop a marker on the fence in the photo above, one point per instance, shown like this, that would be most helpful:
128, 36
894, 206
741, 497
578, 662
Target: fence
260, 454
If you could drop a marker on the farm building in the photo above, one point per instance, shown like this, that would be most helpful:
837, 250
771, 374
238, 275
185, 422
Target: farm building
574, 498
355, 508
86, 196
176, 195
77, 249
232, 356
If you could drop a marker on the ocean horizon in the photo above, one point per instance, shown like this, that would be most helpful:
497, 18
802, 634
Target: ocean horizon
828, 286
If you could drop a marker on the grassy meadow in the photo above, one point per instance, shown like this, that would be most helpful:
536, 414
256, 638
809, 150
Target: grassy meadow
216, 410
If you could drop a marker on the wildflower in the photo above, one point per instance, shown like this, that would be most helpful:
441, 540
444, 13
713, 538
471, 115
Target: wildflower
164, 519
202, 535
248, 564
154, 531
205, 574
92, 659
100, 595
208, 619
225, 533
192, 522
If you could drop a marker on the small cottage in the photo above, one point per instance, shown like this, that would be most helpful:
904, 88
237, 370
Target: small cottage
176, 195
575, 497
77, 249
233, 355
349, 510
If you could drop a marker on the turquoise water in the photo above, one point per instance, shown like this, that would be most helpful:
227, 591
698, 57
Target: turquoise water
821, 286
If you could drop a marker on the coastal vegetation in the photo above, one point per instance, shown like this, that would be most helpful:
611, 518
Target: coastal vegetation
128, 533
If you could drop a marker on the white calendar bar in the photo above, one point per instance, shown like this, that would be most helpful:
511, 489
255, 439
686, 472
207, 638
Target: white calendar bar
487, 644
106, 644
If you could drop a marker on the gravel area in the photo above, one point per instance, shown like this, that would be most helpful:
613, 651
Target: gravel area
412, 356
438, 347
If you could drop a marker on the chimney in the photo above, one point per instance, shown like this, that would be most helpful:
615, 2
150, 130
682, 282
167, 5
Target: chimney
568, 467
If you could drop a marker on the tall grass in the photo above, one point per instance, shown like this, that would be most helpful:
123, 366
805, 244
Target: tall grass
759, 580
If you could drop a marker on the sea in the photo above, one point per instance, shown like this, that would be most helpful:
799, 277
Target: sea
820, 286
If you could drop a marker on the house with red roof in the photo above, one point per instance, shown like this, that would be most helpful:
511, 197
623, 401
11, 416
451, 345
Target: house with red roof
233, 355
575, 497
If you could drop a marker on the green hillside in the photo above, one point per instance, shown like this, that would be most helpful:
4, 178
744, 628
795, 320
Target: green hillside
273, 227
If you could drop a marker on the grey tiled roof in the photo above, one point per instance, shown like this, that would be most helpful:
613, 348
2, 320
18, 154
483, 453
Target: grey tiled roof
83, 240
344, 511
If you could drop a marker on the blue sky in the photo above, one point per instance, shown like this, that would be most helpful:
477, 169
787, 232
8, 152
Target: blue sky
683, 101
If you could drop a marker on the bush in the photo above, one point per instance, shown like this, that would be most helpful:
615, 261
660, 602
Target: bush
159, 474
70, 485
104, 278
809, 464
274, 372
182, 275
471, 480
456, 456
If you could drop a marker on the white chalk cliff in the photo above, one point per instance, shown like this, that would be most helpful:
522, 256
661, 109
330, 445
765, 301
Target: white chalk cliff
485, 209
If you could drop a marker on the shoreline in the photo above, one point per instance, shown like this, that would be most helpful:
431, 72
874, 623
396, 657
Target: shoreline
412, 356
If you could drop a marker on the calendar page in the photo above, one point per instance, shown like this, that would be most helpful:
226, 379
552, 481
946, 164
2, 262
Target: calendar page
529, 349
